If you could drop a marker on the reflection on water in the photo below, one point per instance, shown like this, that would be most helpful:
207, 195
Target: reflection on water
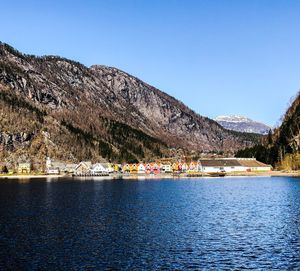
229, 223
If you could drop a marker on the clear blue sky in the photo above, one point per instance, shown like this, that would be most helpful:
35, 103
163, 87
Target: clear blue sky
218, 57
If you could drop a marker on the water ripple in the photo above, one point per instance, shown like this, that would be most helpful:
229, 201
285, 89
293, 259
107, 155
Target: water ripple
211, 224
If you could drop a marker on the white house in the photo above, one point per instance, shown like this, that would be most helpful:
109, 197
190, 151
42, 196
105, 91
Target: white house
185, 167
98, 168
141, 168
83, 168
167, 168
52, 171
193, 167
70, 168
54, 167
109, 167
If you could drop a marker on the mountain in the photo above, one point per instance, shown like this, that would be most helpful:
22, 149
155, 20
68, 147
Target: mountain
282, 147
243, 124
52, 106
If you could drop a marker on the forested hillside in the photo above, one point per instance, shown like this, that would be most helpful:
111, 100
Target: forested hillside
281, 148
52, 106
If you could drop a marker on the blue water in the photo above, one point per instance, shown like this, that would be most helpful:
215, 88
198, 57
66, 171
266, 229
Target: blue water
216, 223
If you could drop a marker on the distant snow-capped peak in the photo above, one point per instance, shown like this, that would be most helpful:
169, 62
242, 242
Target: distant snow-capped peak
242, 124
233, 118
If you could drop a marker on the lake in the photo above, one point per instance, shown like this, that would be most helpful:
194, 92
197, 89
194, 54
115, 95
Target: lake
210, 223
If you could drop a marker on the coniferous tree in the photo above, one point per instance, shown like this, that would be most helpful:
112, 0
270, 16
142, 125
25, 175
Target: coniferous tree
270, 137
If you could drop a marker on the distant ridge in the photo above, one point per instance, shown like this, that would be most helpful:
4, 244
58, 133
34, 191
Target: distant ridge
242, 124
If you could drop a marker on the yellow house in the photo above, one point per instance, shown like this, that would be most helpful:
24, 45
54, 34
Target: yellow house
24, 168
175, 166
126, 168
116, 168
133, 168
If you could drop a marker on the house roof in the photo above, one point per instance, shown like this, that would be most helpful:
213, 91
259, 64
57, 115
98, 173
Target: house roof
231, 163
251, 163
97, 165
220, 163
87, 164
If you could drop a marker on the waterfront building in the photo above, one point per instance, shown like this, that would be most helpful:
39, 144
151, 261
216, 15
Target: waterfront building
175, 167
54, 167
141, 168
117, 167
126, 168
133, 168
156, 168
193, 167
151, 167
109, 167
24, 168
98, 168
166, 168
217, 165
70, 168
52, 171
148, 168
232, 165
83, 168
251, 164
184, 167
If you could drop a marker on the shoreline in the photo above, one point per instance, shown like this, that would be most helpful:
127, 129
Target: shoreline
158, 176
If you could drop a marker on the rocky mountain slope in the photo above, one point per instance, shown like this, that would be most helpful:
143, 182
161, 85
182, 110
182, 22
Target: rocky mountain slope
242, 124
282, 147
58, 107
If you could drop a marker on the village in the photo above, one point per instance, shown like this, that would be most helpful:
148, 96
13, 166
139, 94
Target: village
201, 167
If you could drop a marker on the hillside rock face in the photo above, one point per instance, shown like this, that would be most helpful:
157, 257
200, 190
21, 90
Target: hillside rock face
12, 141
100, 100
243, 124
287, 136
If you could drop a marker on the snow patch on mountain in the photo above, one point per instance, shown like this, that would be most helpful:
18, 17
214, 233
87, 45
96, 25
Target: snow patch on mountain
242, 124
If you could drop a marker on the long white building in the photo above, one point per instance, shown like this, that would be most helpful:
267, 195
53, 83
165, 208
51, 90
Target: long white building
232, 165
